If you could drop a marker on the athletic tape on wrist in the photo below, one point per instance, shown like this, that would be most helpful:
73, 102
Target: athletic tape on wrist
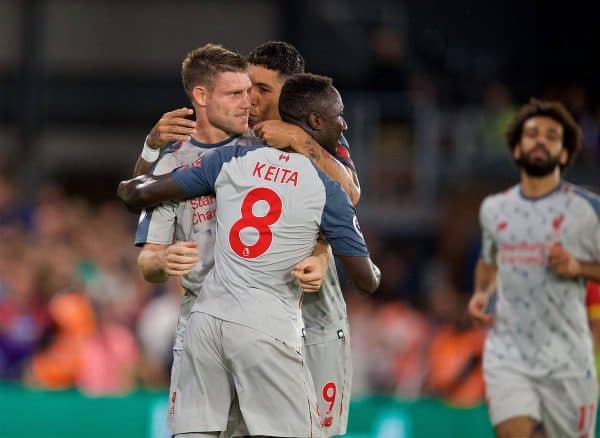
148, 154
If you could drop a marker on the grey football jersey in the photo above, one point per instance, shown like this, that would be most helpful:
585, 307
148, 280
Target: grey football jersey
271, 206
541, 326
190, 220
327, 307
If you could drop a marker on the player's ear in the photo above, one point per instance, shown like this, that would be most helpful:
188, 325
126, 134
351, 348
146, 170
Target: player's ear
200, 95
314, 121
516, 152
564, 157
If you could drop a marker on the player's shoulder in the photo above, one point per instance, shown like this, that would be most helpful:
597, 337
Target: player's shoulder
170, 150
167, 159
495, 200
235, 149
587, 198
248, 139
332, 189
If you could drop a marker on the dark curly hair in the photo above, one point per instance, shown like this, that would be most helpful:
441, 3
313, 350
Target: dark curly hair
302, 94
554, 110
279, 56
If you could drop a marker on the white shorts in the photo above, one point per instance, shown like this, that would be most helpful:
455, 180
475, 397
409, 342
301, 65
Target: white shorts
565, 406
328, 357
221, 361
184, 315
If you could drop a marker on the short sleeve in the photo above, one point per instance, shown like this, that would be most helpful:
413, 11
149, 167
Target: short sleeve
340, 224
198, 178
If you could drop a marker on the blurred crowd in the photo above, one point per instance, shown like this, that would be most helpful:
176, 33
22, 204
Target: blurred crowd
74, 311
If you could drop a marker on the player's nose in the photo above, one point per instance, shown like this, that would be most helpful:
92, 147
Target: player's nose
253, 96
247, 101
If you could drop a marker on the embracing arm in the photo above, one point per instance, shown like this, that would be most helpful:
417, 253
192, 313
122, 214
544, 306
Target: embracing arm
347, 178
311, 271
148, 190
142, 167
151, 262
171, 127
158, 262
279, 134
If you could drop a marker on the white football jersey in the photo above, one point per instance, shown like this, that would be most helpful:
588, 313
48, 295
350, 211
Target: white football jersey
541, 326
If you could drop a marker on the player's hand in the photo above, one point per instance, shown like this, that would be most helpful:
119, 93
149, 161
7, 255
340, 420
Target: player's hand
278, 134
477, 308
172, 126
310, 273
562, 262
181, 257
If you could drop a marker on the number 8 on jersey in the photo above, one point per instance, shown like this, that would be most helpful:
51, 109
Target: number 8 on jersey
259, 223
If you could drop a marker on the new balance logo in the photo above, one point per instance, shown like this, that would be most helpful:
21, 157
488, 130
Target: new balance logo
284, 157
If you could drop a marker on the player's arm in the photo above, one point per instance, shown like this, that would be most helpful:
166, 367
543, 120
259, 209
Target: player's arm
311, 271
485, 286
172, 126
565, 264
195, 179
486, 271
158, 262
589, 270
365, 275
279, 134
340, 226
150, 190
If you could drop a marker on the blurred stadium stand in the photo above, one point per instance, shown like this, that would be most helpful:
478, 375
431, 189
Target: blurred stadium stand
428, 89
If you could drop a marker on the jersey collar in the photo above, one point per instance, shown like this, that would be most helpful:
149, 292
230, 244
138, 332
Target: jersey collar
558, 187
212, 145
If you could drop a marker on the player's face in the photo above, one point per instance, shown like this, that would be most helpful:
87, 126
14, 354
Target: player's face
540, 150
264, 96
228, 103
333, 123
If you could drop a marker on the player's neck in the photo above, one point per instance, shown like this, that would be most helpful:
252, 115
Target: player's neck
534, 186
210, 134
206, 132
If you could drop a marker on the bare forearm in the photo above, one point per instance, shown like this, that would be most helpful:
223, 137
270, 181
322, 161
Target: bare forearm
589, 270
142, 167
306, 145
365, 275
148, 191
485, 277
321, 250
151, 264
321, 247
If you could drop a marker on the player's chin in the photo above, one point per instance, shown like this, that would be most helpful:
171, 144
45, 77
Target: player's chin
240, 124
